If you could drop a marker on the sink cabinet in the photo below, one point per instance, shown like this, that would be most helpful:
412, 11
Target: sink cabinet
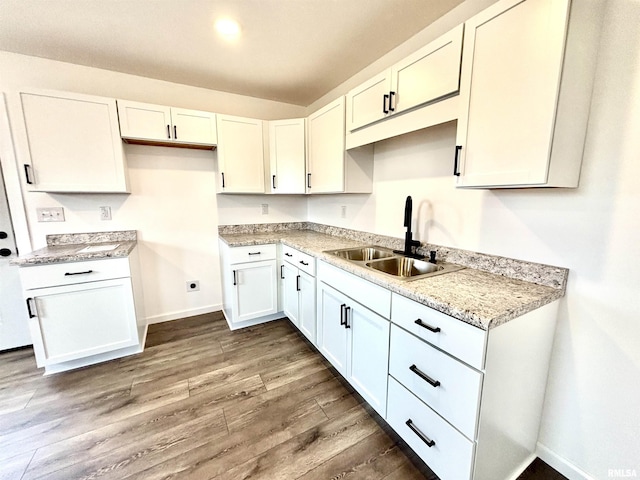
82, 313
249, 284
70, 132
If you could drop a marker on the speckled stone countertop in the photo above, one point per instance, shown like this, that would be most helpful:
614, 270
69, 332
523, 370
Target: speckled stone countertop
65, 248
473, 295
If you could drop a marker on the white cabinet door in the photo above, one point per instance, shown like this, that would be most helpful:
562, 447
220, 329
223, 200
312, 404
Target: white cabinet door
326, 149
369, 102
144, 121
74, 143
84, 319
332, 334
509, 92
369, 358
307, 306
287, 155
291, 284
194, 127
240, 155
256, 292
429, 74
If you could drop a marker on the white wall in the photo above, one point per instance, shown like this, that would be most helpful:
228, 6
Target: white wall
591, 420
172, 204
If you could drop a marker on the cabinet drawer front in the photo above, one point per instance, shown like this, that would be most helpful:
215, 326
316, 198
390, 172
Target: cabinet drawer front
372, 296
252, 253
451, 456
69, 273
290, 254
453, 388
306, 263
460, 339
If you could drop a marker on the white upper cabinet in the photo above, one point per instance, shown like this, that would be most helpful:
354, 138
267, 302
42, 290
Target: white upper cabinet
287, 155
525, 102
331, 169
159, 125
240, 155
74, 143
427, 75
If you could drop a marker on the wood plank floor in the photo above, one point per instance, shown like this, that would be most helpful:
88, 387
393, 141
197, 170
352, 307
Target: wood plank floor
200, 402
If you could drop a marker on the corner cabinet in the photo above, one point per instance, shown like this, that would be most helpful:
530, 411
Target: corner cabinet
69, 132
240, 155
287, 155
81, 313
149, 124
427, 75
331, 168
249, 284
525, 102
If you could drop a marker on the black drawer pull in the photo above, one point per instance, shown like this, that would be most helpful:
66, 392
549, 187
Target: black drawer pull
430, 443
428, 327
287, 254
68, 274
424, 376
254, 253
31, 315
342, 320
306, 264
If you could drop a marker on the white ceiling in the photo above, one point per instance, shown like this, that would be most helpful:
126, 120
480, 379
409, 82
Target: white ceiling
292, 51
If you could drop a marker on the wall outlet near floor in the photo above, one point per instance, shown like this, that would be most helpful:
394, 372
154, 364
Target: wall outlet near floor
193, 285
265, 209
53, 214
105, 213
343, 211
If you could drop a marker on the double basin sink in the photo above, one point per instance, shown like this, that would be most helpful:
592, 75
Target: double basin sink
394, 264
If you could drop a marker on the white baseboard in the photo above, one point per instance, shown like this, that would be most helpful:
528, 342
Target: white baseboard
561, 464
166, 317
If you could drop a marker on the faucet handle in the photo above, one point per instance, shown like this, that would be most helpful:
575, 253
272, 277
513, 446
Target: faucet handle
432, 256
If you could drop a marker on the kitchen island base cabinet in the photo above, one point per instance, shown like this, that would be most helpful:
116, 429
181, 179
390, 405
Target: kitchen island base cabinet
83, 313
249, 285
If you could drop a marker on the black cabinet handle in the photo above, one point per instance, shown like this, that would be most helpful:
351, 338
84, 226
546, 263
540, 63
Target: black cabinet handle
430, 443
68, 274
31, 315
385, 99
428, 327
424, 376
297, 283
346, 317
391, 94
26, 174
288, 254
456, 160
342, 320
308, 180
282, 271
222, 173
273, 181
5, 252
306, 264
175, 132
235, 281
168, 131
254, 253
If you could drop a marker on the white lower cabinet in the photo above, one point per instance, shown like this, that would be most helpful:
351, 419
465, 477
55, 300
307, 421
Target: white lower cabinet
299, 290
249, 284
355, 340
82, 313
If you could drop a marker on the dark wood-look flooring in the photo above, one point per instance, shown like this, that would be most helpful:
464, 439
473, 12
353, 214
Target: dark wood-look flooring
200, 402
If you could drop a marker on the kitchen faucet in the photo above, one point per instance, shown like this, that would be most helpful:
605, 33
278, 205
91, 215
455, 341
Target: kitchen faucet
409, 243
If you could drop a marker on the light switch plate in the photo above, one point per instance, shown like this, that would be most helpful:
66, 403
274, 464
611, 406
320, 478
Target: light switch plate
52, 214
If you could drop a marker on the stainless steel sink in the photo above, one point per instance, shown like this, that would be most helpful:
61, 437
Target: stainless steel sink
395, 265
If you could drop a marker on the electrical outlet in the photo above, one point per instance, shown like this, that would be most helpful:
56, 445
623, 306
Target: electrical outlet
265, 209
53, 214
343, 211
193, 285
105, 213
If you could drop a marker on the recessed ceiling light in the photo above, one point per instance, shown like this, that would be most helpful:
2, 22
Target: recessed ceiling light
227, 28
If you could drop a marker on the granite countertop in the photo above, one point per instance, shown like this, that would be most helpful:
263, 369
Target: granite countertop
480, 298
66, 248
